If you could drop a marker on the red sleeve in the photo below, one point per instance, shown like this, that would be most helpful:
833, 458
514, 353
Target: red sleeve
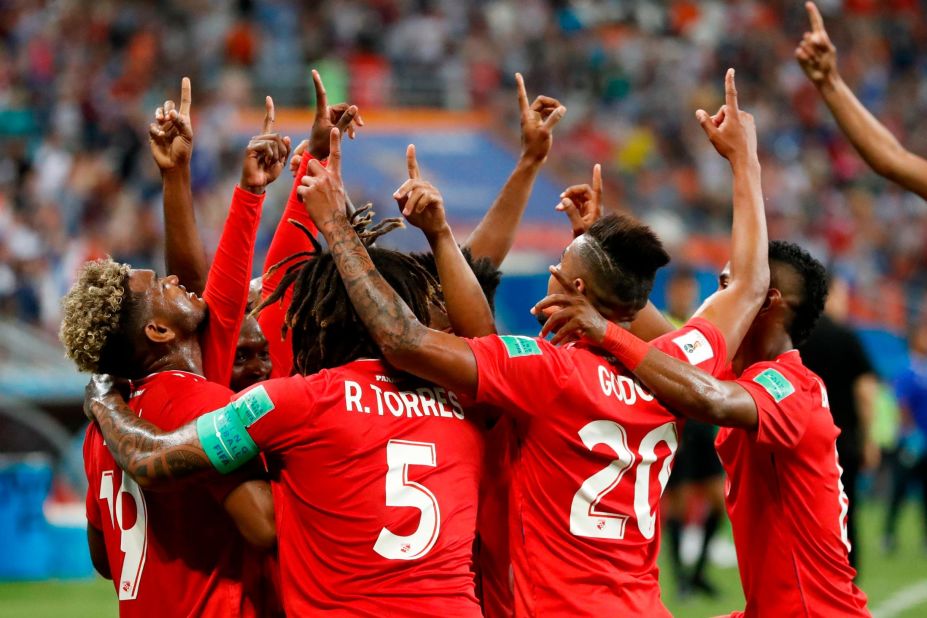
281, 410
519, 375
784, 402
93, 506
699, 343
226, 291
287, 240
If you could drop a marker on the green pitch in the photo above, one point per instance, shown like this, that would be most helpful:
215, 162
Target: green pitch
896, 584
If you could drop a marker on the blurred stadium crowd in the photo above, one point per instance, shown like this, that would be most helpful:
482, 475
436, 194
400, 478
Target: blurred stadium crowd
79, 81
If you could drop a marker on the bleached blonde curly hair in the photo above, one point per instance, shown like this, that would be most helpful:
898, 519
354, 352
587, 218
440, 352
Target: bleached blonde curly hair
93, 310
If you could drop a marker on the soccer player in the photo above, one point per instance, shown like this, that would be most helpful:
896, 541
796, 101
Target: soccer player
378, 471
872, 140
777, 442
171, 140
174, 553
595, 448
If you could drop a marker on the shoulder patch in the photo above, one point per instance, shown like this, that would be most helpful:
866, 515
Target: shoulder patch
520, 346
775, 384
252, 405
695, 346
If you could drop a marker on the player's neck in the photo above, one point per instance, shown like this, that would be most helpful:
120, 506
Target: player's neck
765, 347
180, 356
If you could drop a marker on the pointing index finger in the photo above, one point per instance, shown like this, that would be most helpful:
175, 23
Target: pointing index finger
186, 96
730, 90
321, 99
269, 115
334, 152
597, 180
814, 16
522, 93
412, 163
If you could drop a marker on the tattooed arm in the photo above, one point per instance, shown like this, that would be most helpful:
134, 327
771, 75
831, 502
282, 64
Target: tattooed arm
405, 342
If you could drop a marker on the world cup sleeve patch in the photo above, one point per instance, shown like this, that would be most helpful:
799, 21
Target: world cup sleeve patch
695, 346
253, 405
775, 384
520, 346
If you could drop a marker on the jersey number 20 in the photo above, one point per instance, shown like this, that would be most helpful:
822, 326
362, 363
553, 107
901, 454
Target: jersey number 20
400, 491
133, 541
585, 517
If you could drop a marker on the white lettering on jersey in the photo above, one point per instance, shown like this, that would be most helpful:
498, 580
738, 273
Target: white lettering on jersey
433, 401
695, 346
624, 389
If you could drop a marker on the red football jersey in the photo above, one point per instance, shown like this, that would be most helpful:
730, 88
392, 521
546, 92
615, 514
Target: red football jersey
785, 498
494, 564
171, 553
593, 454
375, 492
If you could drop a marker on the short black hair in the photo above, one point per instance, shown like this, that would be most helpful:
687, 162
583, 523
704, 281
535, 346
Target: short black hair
633, 255
486, 272
813, 290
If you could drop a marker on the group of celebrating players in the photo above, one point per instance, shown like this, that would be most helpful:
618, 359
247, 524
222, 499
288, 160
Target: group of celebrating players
383, 452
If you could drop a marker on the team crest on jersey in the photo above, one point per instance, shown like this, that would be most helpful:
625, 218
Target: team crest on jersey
695, 346
775, 384
520, 346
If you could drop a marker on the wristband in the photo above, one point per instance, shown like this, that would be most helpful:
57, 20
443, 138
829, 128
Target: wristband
626, 347
225, 439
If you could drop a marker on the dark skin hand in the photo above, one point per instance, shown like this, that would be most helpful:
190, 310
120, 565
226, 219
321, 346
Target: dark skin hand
406, 343
170, 137
495, 234
582, 204
265, 156
681, 387
97, 544
423, 206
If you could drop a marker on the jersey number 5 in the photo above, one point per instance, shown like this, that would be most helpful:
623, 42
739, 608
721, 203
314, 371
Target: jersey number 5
400, 491
585, 517
133, 541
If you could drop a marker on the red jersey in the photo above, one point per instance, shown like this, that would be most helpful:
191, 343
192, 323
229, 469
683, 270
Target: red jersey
226, 292
785, 498
375, 492
494, 564
594, 452
171, 553
288, 240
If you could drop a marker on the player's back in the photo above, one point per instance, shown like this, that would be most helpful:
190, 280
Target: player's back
377, 487
784, 486
594, 453
174, 552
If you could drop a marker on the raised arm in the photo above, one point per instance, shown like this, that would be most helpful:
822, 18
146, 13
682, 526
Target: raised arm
229, 277
682, 387
406, 344
288, 240
494, 235
171, 139
732, 309
871, 139
422, 206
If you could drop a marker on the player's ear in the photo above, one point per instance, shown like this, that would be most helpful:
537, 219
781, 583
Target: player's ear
773, 298
159, 332
580, 285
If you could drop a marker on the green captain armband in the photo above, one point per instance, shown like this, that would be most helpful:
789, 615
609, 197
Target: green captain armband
225, 439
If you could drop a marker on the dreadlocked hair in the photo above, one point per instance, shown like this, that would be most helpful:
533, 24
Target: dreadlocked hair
327, 331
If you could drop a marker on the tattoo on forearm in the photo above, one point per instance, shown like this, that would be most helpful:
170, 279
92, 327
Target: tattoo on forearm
143, 450
391, 323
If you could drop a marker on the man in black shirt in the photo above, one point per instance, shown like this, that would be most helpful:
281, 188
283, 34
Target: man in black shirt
835, 353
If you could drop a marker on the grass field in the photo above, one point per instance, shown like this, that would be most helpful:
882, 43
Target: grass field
896, 584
